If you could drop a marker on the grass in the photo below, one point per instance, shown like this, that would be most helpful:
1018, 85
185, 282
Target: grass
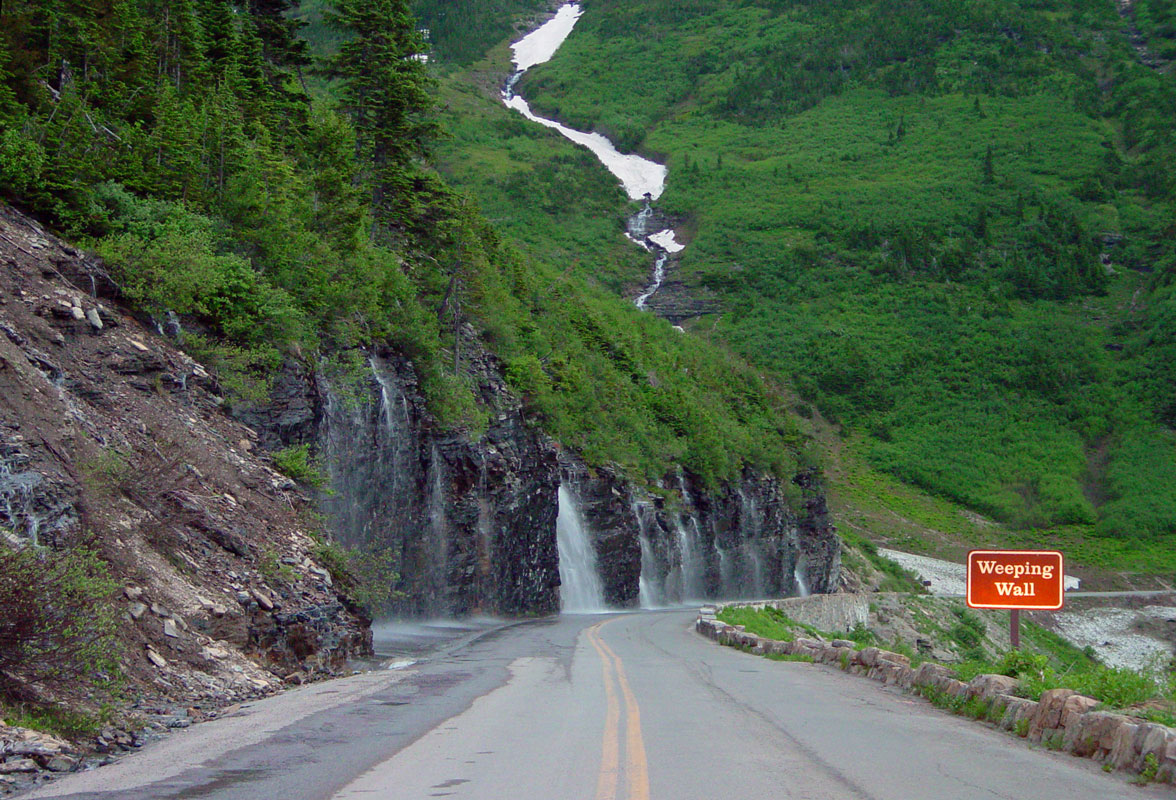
55, 720
762, 623
799, 658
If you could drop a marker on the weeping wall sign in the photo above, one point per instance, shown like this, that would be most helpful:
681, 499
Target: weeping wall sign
1031, 580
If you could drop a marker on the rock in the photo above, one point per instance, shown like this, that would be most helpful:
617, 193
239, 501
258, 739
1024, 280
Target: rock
1122, 753
170, 629
1093, 734
1016, 708
985, 686
930, 674
214, 653
18, 765
136, 610
217, 610
133, 592
142, 348
61, 763
1049, 712
263, 600
77, 314
155, 658
95, 319
894, 658
1167, 771
843, 643
1074, 708
37, 745
1151, 739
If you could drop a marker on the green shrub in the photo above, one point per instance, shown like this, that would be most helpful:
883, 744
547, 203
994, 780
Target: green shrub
366, 576
295, 461
58, 623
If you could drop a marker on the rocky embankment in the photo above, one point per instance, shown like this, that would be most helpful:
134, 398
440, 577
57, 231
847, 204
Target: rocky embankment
748, 538
112, 437
469, 520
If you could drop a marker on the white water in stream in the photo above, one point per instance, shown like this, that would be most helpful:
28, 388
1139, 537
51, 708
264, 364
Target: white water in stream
580, 589
640, 177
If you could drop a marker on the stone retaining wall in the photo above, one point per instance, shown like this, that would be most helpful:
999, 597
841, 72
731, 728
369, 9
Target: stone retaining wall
1062, 719
826, 612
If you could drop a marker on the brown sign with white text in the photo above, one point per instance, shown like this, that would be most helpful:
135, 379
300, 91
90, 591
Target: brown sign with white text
1027, 579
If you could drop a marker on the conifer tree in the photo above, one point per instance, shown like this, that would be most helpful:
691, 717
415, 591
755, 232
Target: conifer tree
386, 94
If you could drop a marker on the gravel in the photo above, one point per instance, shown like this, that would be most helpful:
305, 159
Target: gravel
1112, 632
946, 577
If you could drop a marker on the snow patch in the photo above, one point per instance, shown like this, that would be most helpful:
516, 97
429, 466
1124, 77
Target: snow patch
538, 46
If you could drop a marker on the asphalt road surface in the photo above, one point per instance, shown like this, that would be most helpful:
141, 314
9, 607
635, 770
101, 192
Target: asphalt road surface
632, 706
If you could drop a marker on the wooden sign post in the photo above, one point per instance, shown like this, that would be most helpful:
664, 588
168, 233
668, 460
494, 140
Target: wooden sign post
1033, 580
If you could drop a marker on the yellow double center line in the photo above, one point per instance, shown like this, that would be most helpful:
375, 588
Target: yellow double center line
636, 767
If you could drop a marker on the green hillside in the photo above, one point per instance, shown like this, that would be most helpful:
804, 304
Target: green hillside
182, 144
950, 227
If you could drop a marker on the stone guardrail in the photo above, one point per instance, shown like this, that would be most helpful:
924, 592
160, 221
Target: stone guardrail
1062, 719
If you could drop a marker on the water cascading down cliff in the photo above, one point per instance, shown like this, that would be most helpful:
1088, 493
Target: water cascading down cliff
510, 523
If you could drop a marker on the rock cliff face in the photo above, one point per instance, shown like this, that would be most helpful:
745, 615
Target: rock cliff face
747, 539
470, 520
111, 436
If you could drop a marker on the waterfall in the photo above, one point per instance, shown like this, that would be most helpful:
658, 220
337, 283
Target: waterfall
652, 588
386, 493
580, 591
751, 523
438, 535
17, 504
802, 589
693, 566
659, 275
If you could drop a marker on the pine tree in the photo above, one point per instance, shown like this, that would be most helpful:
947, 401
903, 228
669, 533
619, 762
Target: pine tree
386, 94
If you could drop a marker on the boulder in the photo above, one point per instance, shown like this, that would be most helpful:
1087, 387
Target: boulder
1074, 709
1093, 734
156, 659
61, 763
1151, 739
1014, 708
18, 765
894, 658
1049, 712
987, 686
868, 657
1122, 754
931, 675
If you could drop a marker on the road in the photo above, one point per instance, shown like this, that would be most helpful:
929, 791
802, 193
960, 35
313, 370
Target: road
631, 706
